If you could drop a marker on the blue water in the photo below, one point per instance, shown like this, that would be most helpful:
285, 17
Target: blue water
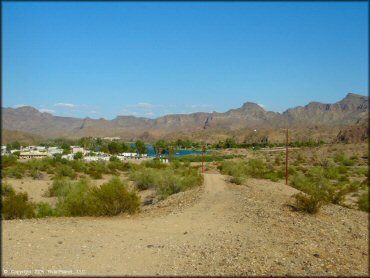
151, 151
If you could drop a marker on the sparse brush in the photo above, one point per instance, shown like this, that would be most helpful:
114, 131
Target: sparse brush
65, 171
16, 171
60, 187
78, 201
144, 179
16, 206
44, 210
113, 198
237, 180
308, 203
6, 189
363, 201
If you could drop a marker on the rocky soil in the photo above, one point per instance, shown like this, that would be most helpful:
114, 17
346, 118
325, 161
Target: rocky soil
218, 229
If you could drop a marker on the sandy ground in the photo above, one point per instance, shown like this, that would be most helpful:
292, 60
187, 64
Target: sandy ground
218, 229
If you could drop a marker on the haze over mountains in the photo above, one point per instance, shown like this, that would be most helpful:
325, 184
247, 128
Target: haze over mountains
350, 110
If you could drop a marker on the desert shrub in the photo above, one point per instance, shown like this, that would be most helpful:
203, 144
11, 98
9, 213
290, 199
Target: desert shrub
300, 158
35, 173
256, 168
167, 181
335, 193
65, 171
77, 201
233, 168
145, 179
362, 171
169, 184
273, 176
206, 157
308, 203
78, 165
300, 182
190, 178
17, 206
237, 180
113, 198
154, 163
332, 173
44, 210
354, 186
278, 160
343, 178
363, 201
343, 160
60, 187
96, 169
16, 171
8, 160
6, 189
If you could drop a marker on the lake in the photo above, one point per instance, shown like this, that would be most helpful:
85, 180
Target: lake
151, 152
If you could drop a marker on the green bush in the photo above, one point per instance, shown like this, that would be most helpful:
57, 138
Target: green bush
17, 206
145, 179
308, 203
363, 202
78, 165
8, 160
44, 210
60, 187
65, 171
77, 201
336, 193
154, 163
16, 171
113, 198
96, 169
7, 189
166, 181
237, 180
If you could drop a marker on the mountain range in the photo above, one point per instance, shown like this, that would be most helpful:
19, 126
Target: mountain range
352, 109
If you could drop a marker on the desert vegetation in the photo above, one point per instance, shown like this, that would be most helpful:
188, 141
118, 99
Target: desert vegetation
330, 174
165, 179
75, 198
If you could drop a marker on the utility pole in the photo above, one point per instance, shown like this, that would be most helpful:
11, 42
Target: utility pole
286, 158
202, 157
169, 153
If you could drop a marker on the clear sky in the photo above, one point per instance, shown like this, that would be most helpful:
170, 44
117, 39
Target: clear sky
149, 59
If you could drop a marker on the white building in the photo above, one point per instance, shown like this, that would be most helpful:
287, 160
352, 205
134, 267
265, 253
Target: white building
3, 150
76, 149
68, 156
111, 138
54, 150
33, 154
129, 155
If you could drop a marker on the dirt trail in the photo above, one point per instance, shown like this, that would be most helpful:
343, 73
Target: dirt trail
230, 230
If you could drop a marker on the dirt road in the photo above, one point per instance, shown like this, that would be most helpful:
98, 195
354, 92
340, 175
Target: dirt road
228, 230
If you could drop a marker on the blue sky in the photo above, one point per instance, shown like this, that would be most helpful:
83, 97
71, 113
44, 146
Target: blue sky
150, 59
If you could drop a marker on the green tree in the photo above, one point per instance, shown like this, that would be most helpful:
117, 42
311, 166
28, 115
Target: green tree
78, 155
114, 148
230, 143
141, 147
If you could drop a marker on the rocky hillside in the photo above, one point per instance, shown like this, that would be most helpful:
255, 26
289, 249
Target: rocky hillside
353, 108
355, 133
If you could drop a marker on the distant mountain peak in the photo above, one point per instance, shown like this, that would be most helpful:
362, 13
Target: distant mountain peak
252, 107
27, 109
354, 95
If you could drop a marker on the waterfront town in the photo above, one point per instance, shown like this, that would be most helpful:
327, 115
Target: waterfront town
76, 152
